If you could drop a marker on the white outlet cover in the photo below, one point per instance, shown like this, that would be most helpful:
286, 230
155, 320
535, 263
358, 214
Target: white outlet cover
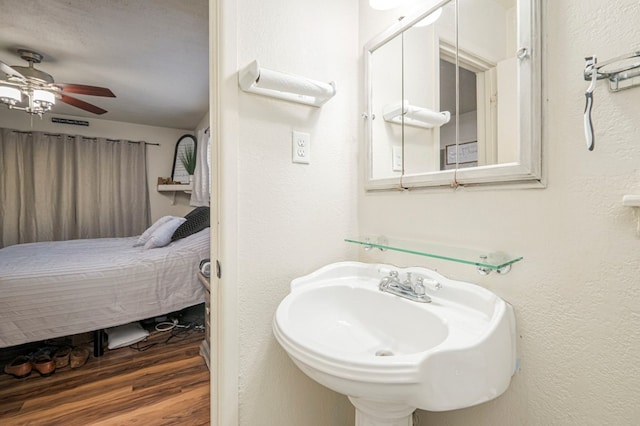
396, 160
301, 147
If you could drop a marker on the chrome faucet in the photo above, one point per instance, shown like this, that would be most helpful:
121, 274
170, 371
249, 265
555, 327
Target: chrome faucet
408, 289
388, 281
407, 285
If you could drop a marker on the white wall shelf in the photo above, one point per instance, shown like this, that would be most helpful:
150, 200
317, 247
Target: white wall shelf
172, 188
186, 188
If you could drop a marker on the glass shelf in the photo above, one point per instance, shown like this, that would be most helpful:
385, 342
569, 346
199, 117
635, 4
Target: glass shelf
496, 261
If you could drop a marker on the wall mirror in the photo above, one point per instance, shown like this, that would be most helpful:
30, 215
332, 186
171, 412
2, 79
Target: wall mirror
453, 96
184, 159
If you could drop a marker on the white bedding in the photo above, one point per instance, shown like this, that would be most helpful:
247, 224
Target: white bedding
60, 288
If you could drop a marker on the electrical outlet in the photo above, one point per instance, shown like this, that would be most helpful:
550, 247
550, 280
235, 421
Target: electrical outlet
301, 148
396, 161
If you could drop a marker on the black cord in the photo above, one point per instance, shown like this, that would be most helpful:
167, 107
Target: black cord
181, 332
143, 348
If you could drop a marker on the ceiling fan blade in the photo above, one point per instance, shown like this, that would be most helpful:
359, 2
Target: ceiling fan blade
9, 71
81, 89
82, 104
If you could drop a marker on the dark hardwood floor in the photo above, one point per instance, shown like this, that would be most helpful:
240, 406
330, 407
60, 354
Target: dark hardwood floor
167, 384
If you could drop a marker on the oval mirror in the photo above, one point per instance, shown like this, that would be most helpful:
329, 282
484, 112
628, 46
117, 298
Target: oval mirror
453, 96
184, 159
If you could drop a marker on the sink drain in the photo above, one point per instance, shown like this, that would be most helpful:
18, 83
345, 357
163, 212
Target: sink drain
384, 352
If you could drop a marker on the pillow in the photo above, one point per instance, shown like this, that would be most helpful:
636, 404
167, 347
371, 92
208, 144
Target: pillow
196, 220
162, 236
125, 335
196, 211
147, 234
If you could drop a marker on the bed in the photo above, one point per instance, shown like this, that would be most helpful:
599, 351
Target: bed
61, 288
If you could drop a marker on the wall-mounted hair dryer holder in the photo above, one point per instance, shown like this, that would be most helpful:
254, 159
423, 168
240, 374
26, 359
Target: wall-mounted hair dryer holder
622, 72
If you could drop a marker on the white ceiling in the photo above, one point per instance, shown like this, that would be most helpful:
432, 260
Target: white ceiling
153, 54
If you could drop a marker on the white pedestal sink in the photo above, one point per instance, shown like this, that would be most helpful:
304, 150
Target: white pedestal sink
391, 355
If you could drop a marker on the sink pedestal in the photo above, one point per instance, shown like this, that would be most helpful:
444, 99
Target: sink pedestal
373, 413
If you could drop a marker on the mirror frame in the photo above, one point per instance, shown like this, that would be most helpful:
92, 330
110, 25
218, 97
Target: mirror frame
175, 174
527, 171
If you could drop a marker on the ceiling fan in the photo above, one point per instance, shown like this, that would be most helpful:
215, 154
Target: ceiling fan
40, 89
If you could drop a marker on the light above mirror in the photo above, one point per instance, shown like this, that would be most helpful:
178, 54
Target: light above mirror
477, 64
430, 19
407, 7
387, 4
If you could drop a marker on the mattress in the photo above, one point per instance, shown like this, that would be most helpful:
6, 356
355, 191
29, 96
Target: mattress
60, 288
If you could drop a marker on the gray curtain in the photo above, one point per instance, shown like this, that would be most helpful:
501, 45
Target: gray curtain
60, 187
201, 193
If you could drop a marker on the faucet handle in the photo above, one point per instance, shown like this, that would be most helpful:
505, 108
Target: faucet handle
418, 287
430, 282
393, 274
434, 284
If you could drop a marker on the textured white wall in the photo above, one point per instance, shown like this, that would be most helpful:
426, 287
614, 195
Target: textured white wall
577, 292
291, 218
159, 158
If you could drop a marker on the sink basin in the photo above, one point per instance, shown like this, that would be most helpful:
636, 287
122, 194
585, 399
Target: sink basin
391, 355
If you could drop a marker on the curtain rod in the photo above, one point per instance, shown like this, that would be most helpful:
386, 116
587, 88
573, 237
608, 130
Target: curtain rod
58, 135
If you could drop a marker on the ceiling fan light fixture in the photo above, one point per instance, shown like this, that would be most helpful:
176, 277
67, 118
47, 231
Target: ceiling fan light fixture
40, 90
44, 98
41, 101
10, 95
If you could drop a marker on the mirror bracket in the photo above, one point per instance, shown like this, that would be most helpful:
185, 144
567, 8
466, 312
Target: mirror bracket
522, 53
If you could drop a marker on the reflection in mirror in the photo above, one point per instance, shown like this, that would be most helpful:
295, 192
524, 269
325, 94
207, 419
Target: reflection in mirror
403, 101
422, 76
490, 97
487, 82
477, 110
386, 79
